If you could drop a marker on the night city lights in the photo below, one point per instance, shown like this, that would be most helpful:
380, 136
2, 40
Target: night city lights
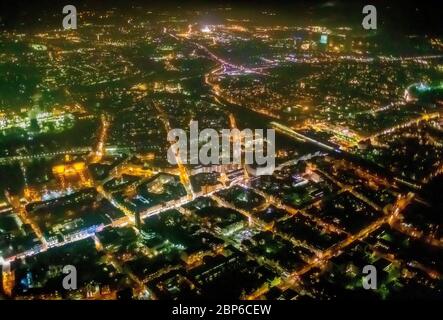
221, 151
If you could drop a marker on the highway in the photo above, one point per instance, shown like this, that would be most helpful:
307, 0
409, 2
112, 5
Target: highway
294, 134
12, 159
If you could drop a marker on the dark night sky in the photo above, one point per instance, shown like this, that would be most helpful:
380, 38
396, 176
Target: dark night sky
423, 16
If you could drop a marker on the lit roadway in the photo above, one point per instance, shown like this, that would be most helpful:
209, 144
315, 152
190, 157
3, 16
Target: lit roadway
424, 117
417, 234
335, 250
279, 204
375, 168
99, 152
12, 159
218, 59
396, 223
24, 216
140, 287
288, 131
351, 190
184, 177
128, 219
390, 218
223, 203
